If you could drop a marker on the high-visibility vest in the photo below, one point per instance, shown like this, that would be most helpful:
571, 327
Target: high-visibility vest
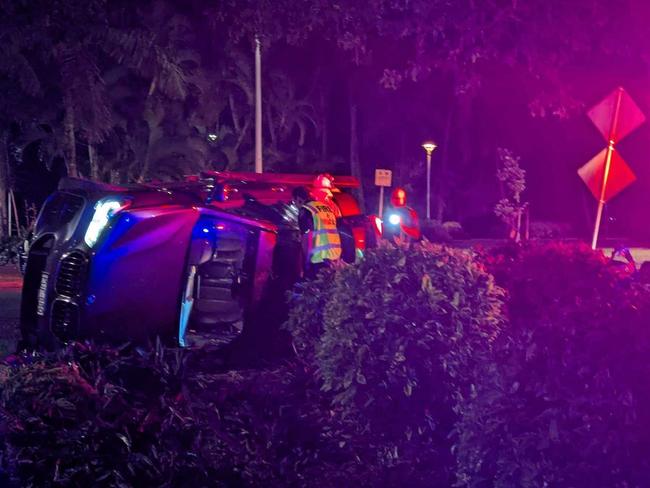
325, 240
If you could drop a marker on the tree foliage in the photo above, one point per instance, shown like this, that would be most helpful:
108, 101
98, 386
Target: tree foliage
564, 401
101, 417
510, 209
146, 90
414, 368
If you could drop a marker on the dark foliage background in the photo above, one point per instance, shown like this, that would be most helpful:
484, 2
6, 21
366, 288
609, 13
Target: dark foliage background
10, 247
414, 367
129, 91
98, 416
564, 401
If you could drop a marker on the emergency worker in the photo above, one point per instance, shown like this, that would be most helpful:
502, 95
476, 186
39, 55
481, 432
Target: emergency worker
322, 190
401, 220
318, 226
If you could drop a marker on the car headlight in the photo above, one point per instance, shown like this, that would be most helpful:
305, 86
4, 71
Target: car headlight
104, 210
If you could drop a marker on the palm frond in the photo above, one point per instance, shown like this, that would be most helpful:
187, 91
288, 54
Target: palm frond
193, 150
17, 67
171, 77
131, 48
83, 81
140, 51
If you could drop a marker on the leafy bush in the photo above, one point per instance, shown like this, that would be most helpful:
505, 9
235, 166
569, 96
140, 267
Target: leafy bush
437, 231
565, 400
408, 375
394, 340
306, 313
99, 417
549, 230
10, 248
273, 428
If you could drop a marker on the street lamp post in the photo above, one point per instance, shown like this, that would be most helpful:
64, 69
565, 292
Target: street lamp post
429, 147
259, 165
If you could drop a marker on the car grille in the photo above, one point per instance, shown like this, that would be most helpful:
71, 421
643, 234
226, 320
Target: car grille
71, 273
65, 319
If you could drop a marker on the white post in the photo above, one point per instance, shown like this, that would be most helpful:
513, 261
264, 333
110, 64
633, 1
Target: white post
429, 147
601, 200
381, 201
428, 185
9, 213
258, 107
13, 208
606, 169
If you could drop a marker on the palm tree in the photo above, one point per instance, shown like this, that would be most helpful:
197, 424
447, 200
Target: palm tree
74, 44
236, 82
290, 118
85, 101
158, 53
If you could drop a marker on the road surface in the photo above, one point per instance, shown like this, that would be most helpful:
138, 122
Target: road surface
10, 285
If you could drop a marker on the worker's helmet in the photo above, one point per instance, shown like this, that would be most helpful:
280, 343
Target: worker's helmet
398, 198
324, 180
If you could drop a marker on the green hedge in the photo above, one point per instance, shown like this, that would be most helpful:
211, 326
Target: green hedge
98, 417
104, 417
394, 341
414, 368
565, 400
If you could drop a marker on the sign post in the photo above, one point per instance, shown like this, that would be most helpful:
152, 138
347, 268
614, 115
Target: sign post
607, 173
608, 165
383, 178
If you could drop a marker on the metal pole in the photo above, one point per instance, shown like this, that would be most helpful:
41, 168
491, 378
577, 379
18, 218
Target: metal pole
9, 213
608, 164
428, 185
601, 200
258, 107
381, 201
16, 219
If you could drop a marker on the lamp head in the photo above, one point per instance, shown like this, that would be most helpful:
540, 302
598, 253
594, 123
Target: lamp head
429, 146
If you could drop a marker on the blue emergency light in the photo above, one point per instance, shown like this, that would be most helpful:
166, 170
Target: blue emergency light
394, 219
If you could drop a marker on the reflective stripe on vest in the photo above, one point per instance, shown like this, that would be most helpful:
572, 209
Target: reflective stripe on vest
325, 239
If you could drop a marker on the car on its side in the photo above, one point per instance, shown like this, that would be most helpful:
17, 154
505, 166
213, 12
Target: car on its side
175, 260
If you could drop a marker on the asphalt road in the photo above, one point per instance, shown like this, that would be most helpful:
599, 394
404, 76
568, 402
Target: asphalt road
10, 285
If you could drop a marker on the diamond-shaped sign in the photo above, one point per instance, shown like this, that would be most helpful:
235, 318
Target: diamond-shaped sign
620, 175
612, 125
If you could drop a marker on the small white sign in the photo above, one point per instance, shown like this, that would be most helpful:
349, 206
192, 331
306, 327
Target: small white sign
383, 177
42, 294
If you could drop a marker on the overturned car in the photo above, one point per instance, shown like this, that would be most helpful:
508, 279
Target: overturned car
176, 260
